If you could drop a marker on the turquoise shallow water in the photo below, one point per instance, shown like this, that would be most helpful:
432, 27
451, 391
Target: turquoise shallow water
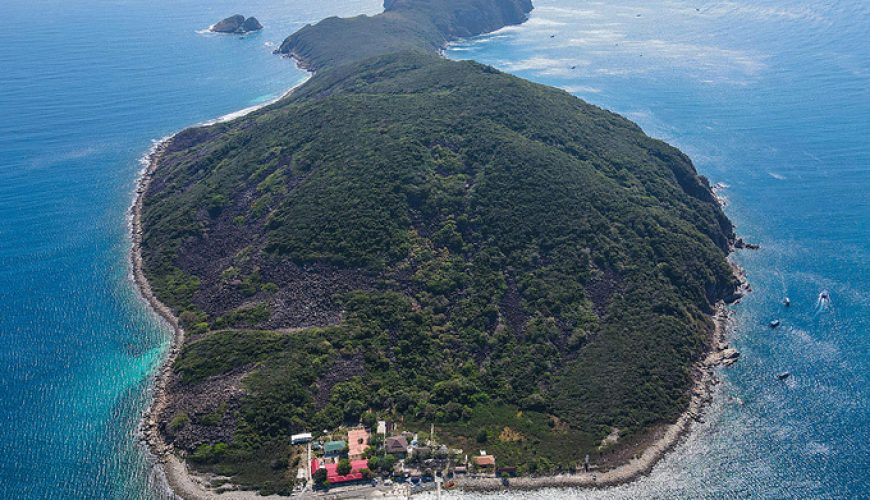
85, 87
770, 98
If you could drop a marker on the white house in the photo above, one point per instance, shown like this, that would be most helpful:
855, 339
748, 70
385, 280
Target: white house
301, 438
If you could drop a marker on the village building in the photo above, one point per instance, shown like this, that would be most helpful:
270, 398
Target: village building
484, 463
333, 449
301, 438
422, 453
396, 445
358, 441
332, 475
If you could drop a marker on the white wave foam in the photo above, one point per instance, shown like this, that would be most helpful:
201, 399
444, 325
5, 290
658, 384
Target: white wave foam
206, 31
250, 109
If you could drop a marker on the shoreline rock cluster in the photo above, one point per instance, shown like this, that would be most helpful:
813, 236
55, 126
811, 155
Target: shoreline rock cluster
149, 427
180, 480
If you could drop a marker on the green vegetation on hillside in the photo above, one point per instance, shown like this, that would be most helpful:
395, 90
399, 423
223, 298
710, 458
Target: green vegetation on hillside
420, 25
508, 256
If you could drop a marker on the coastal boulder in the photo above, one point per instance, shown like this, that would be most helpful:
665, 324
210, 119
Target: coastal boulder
229, 25
726, 357
251, 24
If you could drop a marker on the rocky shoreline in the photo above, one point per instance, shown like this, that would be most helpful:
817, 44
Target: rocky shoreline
721, 354
149, 428
181, 482
179, 479
706, 381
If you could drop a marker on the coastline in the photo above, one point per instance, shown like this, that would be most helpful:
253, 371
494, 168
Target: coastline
186, 484
181, 482
148, 426
705, 382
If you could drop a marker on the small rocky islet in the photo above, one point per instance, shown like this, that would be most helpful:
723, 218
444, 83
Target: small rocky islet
237, 24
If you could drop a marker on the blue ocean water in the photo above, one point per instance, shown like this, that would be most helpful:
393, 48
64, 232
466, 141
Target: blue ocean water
85, 86
770, 98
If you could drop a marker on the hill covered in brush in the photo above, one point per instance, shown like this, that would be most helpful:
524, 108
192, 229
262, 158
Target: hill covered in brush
425, 240
422, 25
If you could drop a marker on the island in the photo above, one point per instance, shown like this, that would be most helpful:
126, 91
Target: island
413, 267
237, 24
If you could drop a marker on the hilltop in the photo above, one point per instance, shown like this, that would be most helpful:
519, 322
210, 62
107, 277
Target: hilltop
428, 241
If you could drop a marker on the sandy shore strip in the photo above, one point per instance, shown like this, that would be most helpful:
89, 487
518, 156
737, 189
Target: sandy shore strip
179, 479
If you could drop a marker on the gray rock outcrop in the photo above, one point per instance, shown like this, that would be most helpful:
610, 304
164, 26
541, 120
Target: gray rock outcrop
237, 24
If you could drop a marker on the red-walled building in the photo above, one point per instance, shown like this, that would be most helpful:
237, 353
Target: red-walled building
332, 471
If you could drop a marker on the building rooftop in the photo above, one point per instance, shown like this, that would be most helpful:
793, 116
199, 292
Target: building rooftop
485, 460
358, 441
332, 470
334, 446
396, 444
302, 437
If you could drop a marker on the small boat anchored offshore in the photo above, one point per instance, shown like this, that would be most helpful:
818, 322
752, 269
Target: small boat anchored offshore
783, 375
824, 301
775, 323
786, 302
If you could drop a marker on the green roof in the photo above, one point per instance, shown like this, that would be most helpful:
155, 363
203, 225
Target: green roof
332, 446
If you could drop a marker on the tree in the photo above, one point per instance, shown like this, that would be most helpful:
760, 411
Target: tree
352, 409
482, 436
344, 467
376, 441
369, 419
388, 462
319, 477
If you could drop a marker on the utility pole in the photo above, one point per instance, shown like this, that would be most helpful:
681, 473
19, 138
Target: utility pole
308, 463
439, 478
